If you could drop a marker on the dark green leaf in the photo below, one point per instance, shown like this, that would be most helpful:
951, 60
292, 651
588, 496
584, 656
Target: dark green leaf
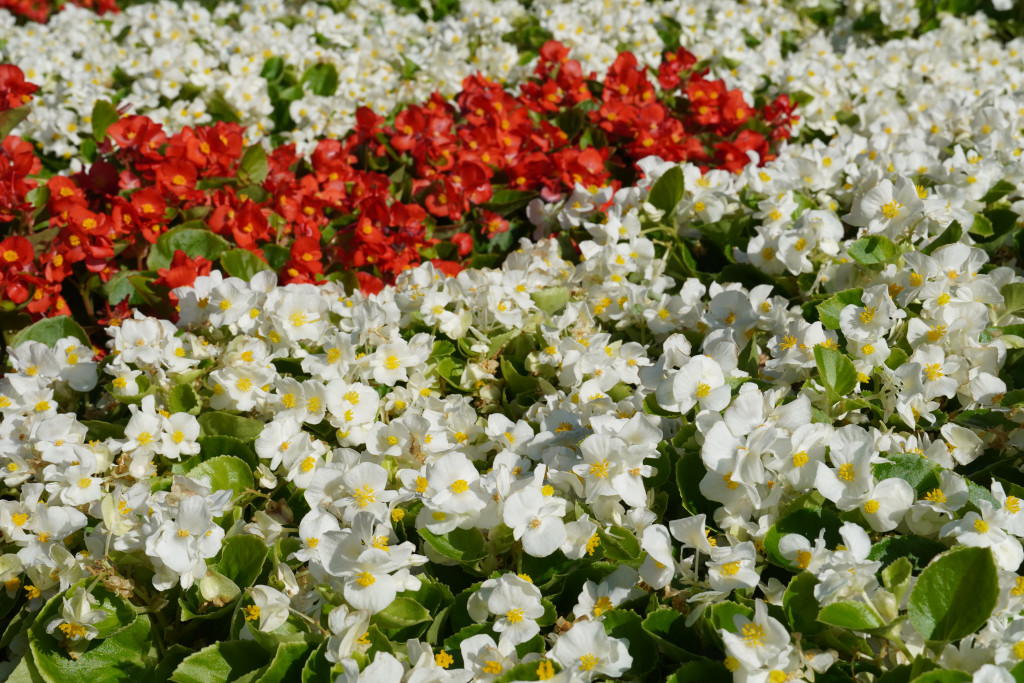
464, 545
402, 612
800, 605
218, 423
253, 168
954, 596
322, 79
667, 190
950, 235
241, 559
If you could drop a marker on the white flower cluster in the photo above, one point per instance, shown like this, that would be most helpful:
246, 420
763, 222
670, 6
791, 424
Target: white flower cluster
175, 62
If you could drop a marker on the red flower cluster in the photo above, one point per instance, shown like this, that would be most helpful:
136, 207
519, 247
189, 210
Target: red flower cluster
371, 201
40, 10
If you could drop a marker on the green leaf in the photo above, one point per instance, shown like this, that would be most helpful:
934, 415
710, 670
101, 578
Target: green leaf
50, 330
829, 309
807, 522
104, 115
896, 577
916, 470
668, 190
873, 251
998, 191
253, 168
464, 545
242, 263
241, 559
551, 299
950, 235
402, 612
954, 596
221, 662
701, 671
944, 677
322, 79
276, 255
1013, 296
836, 370
856, 616
272, 68
917, 549
800, 605
121, 657
11, 118
287, 663
224, 424
183, 399
624, 624
194, 241
620, 545
225, 472
670, 633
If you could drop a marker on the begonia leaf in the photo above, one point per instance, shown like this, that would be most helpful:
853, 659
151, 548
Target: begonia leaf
955, 594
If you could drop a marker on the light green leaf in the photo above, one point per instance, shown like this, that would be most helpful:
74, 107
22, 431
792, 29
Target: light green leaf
856, 616
402, 612
836, 370
873, 251
551, 299
182, 399
1013, 296
193, 240
242, 263
50, 330
955, 594
829, 309
225, 472
896, 577
253, 168
221, 662
104, 115
10, 118
241, 559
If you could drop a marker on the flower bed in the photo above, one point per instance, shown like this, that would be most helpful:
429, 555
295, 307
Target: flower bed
744, 406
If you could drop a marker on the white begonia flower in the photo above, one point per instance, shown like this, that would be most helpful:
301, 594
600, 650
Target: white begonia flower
888, 208
615, 589
886, 504
385, 668
455, 482
347, 627
758, 643
801, 553
659, 566
536, 519
485, 659
588, 651
78, 616
733, 567
270, 608
366, 484
581, 538
185, 543
179, 436
980, 531
517, 605
847, 572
